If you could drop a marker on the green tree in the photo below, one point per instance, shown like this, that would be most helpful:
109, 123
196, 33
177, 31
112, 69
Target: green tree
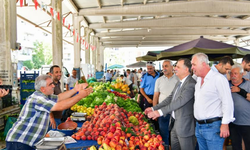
42, 54
48, 54
28, 63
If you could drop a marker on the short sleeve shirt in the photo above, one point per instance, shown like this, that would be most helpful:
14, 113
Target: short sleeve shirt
165, 86
241, 105
127, 81
33, 121
71, 81
148, 83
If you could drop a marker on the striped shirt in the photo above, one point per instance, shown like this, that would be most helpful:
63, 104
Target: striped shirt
33, 121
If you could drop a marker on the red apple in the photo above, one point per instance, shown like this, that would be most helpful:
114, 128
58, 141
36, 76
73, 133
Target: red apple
159, 137
89, 137
83, 137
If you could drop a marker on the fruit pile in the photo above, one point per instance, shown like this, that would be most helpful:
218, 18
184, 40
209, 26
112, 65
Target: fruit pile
111, 129
124, 96
120, 86
82, 109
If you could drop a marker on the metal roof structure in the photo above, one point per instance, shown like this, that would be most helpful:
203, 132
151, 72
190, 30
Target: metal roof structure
150, 23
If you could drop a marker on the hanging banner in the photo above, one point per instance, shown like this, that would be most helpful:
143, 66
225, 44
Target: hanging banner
21, 3
63, 20
36, 4
51, 12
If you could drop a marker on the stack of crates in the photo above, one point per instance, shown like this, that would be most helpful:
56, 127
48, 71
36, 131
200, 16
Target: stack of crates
27, 83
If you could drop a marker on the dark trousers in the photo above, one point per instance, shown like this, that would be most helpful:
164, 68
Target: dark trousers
163, 127
18, 146
237, 133
144, 104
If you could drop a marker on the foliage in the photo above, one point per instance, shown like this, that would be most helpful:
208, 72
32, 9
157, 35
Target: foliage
28, 64
42, 54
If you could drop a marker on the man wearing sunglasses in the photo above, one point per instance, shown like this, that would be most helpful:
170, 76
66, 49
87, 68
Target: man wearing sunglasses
147, 86
33, 121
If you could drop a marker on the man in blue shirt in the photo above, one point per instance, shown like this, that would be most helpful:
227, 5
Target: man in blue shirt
108, 76
147, 86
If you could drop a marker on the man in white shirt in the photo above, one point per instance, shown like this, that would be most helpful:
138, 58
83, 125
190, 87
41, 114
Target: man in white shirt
163, 88
180, 103
139, 75
71, 80
213, 107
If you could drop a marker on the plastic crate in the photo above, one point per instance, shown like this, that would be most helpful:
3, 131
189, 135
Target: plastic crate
99, 75
29, 76
24, 96
27, 85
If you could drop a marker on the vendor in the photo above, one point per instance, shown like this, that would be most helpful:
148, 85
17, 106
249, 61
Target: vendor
33, 121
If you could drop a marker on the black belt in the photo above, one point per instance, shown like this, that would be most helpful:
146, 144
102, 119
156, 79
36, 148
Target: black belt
209, 120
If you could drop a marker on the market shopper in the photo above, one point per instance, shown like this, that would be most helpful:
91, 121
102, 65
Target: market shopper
147, 89
213, 106
56, 116
33, 121
246, 66
108, 76
139, 75
224, 66
180, 104
240, 128
147, 86
163, 88
130, 75
71, 80
129, 83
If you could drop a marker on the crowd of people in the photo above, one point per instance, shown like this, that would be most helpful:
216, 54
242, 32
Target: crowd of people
193, 105
199, 105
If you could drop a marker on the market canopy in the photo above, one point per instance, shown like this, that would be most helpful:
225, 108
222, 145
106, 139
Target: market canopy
115, 66
215, 50
137, 65
150, 56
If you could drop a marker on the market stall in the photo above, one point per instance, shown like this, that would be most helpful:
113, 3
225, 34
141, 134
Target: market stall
111, 121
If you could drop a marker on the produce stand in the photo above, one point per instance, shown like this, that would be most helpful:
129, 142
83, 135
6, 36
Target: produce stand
113, 120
